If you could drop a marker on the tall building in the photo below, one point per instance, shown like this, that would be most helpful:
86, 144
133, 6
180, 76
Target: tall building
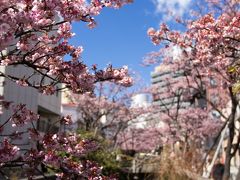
163, 78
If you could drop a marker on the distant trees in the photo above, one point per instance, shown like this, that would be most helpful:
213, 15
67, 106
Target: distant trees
109, 112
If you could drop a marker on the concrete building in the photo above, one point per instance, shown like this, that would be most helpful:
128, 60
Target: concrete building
140, 101
48, 107
164, 77
69, 107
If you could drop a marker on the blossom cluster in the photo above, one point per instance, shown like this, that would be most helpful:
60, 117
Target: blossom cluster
140, 139
22, 115
63, 153
36, 33
210, 43
8, 152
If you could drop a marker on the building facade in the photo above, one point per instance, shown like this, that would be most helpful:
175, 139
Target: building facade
164, 78
47, 106
69, 107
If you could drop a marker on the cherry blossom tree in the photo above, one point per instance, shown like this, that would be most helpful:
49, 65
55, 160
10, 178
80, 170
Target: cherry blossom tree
172, 123
108, 111
184, 119
210, 50
178, 98
35, 34
145, 139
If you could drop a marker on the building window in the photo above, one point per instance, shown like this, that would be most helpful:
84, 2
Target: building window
215, 114
57, 92
42, 125
214, 99
213, 82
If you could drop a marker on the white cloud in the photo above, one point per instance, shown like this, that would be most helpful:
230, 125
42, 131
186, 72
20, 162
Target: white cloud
175, 7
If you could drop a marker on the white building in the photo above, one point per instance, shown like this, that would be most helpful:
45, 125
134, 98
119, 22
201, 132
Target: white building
69, 107
140, 101
48, 107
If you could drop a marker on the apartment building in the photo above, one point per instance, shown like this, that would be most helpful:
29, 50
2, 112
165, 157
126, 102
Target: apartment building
164, 78
48, 107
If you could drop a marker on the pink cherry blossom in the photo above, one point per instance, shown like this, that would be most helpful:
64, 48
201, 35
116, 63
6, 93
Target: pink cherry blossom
210, 54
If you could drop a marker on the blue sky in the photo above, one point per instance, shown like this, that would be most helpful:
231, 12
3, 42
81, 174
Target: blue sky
120, 37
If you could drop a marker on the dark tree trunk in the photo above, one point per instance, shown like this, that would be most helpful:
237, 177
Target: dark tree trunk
231, 128
228, 157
